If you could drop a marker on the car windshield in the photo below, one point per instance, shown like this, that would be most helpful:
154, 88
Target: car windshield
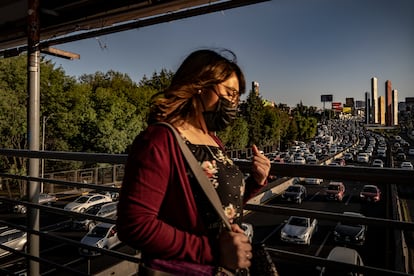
298, 222
93, 210
82, 199
370, 190
333, 187
293, 189
98, 232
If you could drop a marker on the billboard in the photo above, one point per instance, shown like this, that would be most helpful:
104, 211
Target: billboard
326, 98
336, 106
347, 110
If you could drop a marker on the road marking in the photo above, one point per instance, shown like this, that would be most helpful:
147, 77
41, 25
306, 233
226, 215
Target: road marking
322, 245
349, 199
315, 195
271, 233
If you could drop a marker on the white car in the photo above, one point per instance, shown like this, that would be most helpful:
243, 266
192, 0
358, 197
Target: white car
406, 165
362, 157
13, 238
103, 235
313, 180
345, 255
377, 163
83, 202
298, 230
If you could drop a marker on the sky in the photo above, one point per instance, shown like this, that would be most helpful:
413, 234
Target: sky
297, 50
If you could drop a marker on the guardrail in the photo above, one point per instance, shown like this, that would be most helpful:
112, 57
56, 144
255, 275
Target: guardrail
379, 175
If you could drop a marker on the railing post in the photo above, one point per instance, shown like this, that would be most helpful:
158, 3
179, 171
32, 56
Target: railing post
33, 124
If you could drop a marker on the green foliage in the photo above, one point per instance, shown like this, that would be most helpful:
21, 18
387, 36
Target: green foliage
103, 112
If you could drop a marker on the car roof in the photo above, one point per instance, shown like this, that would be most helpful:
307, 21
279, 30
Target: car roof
353, 214
343, 254
370, 186
336, 183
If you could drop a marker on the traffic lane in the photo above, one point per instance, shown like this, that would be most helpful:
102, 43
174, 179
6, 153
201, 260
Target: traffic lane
267, 228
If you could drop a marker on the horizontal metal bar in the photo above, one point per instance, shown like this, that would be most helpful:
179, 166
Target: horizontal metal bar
366, 174
288, 211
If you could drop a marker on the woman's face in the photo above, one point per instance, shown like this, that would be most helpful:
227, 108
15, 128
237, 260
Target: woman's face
228, 89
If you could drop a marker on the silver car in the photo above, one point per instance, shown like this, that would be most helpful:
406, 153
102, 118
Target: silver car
103, 235
298, 230
13, 238
83, 202
104, 209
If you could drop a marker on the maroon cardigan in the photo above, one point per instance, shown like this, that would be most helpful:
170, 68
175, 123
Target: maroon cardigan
157, 213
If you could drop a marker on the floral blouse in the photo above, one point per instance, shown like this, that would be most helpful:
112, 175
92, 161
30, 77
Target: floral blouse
228, 181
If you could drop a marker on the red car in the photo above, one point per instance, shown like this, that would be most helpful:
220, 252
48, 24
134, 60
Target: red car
370, 193
335, 191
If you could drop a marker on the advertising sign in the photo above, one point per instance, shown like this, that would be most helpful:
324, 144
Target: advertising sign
326, 98
336, 106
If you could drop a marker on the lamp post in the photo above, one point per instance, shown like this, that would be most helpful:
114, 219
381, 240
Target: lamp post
45, 118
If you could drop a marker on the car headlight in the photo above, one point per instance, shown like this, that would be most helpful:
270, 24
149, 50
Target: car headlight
283, 234
100, 244
304, 236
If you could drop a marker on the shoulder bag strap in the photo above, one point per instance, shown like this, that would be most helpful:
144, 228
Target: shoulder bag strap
201, 177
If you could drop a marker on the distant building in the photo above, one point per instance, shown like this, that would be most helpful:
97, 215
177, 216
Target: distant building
367, 108
381, 110
255, 87
374, 99
388, 103
395, 106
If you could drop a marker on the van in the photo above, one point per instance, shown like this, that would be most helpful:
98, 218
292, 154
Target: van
104, 210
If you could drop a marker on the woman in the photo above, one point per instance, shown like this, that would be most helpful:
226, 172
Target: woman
162, 211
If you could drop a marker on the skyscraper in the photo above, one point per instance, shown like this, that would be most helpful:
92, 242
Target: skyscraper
388, 104
395, 106
255, 87
374, 100
381, 110
367, 108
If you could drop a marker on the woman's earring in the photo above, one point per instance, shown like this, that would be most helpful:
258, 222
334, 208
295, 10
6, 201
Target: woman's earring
199, 91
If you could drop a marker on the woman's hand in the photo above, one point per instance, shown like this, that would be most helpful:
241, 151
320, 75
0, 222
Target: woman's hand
261, 166
235, 249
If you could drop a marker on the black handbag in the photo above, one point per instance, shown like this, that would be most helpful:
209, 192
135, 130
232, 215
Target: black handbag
262, 263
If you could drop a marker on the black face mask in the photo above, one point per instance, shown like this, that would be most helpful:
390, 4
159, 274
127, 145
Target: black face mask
225, 114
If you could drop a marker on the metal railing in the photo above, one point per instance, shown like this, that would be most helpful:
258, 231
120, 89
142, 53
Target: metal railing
389, 177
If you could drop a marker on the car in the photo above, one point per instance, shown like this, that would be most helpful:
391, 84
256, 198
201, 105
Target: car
350, 233
370, 193
296, 193
248, 230
340, 161
103, 235
299, 160
378, 163
406, 165
411, 151
401, 156
298, 230
348, 156
335, 191
46, 199
363, 157
104, 209
83, 202
13, 238
345, 255
313, 180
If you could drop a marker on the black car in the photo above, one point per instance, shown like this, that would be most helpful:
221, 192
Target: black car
296, 193
347, 233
